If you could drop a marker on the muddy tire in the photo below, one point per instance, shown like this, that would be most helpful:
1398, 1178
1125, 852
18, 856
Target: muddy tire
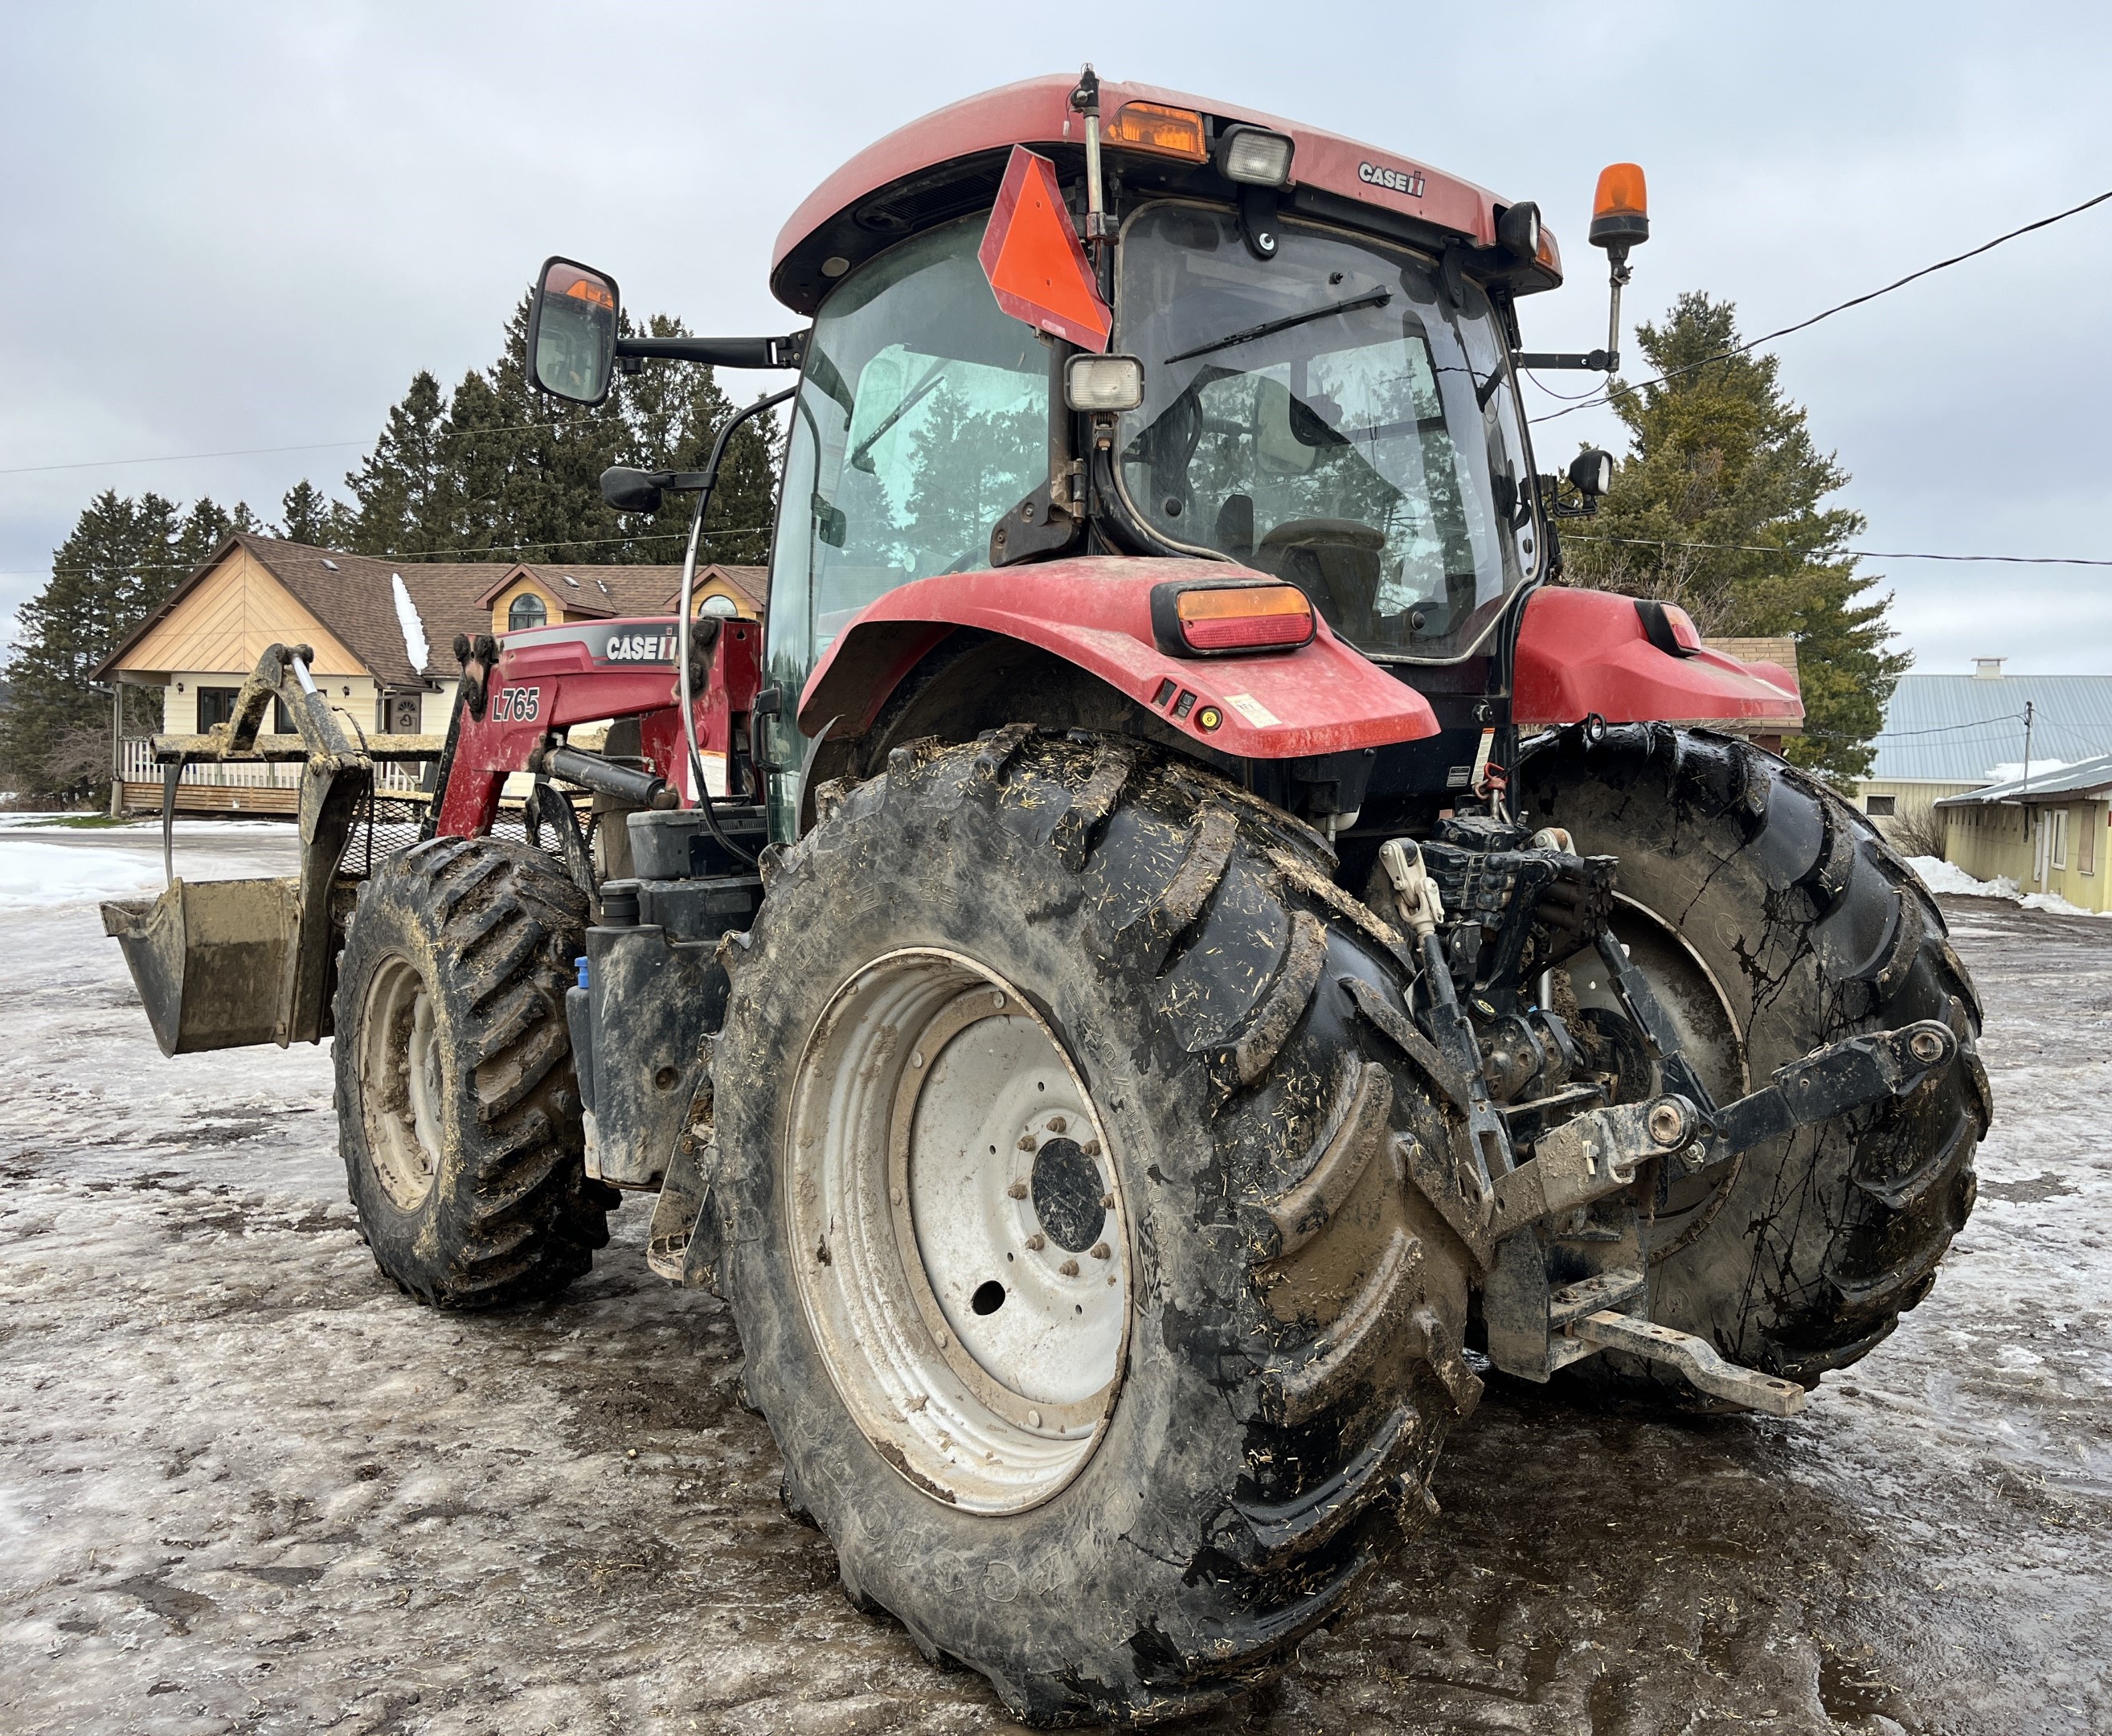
1773, 918
1049, 1038
458, 1115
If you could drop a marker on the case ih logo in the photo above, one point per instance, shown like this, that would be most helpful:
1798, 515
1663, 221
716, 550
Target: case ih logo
629, 645
1408, 181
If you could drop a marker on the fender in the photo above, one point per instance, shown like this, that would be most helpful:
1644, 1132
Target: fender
1095, 612
1585, 651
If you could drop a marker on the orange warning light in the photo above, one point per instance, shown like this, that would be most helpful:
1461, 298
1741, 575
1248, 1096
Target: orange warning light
1152, 127
1620, 210
1032, 256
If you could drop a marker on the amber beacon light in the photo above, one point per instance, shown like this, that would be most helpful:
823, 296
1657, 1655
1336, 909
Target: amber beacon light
1620, 211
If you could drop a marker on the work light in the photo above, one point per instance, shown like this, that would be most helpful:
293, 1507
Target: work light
1104, 383
1254, 155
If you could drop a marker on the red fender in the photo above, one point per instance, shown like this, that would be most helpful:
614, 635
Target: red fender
1094, 611
1585, 651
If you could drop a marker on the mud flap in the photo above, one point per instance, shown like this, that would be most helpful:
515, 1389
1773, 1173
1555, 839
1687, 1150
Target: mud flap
213, 961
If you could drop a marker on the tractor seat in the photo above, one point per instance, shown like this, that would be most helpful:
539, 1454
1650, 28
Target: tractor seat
1334, 561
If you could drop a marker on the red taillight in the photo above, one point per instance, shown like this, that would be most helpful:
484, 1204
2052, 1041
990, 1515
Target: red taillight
1684, 632
1243, 617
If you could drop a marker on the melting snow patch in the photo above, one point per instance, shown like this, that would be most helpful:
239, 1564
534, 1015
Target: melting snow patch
407, 618
34, 873
1939, 876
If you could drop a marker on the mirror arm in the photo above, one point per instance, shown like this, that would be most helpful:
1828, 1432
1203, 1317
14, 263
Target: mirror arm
785, 351
1598, 361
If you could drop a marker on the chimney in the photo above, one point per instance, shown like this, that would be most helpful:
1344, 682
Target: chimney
1988, 669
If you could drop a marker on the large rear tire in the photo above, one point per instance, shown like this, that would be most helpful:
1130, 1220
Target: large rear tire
458, 1114
1772, 918
1064, 1224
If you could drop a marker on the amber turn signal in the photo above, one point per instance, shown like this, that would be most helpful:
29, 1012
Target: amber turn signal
1152, 127
1218, 619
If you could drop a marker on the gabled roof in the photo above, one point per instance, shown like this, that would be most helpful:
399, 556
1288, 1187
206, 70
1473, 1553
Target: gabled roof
2091, 777
354, 595
1957, 729
751, 583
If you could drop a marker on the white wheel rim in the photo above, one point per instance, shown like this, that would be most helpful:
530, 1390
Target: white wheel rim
958, 1231
401, 1082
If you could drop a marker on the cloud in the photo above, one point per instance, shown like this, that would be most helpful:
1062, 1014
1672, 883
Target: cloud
249, 224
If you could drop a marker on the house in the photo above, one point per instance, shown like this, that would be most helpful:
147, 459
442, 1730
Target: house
1946, 735
383, 633
2046, 833
1774, 661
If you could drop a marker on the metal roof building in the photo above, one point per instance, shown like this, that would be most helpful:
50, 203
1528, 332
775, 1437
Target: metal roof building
1958, 729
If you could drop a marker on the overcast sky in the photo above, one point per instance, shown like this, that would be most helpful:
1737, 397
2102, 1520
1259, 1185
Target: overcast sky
249, 225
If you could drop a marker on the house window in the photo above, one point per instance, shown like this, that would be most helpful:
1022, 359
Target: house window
2085, 841
2059, 816
525, 610
1880, 807
215, 705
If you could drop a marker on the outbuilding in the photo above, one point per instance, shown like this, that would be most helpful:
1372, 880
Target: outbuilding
2046, 832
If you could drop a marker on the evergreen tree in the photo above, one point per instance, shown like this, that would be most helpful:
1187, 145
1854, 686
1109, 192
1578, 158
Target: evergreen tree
507, 472
307, 515
1720, 458
124, 557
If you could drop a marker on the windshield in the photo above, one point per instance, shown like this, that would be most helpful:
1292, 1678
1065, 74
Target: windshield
1327, 416
922, 422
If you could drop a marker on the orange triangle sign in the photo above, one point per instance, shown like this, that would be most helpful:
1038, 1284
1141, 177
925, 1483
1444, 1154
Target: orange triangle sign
1032, 256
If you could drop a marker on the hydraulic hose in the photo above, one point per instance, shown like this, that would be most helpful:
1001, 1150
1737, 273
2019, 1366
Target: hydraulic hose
704, 799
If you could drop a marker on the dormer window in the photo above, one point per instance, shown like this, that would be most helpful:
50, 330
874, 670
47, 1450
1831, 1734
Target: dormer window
525, 610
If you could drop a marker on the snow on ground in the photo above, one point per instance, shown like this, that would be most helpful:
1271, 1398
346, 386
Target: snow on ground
244, 1485
1939, 876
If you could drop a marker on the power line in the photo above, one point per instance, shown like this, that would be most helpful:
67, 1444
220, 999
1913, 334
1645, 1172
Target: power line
250, 452
1608, 393
598, 542
1867, 555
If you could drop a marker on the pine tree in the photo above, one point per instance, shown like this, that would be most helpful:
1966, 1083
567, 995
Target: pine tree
307, 515
395, 488
124, 557
1720, 507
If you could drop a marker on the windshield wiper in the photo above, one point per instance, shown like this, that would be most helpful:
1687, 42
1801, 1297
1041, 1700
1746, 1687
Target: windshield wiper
860, 453
1269, 328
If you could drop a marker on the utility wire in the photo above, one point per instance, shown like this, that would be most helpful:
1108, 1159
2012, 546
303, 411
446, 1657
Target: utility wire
245, 452
1608, 393
408, 560
1867, 555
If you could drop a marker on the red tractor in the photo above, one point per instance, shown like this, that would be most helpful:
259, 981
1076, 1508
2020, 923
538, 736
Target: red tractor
1180, 947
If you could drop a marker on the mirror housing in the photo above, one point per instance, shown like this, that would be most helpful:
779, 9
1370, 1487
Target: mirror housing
630, 491
572, 320
1591, 471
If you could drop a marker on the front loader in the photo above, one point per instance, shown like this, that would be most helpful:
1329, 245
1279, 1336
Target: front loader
1180, 948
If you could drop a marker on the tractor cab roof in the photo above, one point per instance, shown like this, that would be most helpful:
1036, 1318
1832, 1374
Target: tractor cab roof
949, 164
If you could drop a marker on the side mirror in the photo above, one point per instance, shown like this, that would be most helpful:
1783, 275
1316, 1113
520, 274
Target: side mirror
630, 491
1592, 473
571, 331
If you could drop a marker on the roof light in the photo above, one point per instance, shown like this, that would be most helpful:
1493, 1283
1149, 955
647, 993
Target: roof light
1152, 127
1104, 383
1620, 210
1212, 619
1254, 155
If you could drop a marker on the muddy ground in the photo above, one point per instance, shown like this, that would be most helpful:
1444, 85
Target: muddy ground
245, 1486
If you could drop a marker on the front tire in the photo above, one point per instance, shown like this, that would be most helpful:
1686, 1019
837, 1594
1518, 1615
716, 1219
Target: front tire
1064, 1224
1772, 918
458, 1114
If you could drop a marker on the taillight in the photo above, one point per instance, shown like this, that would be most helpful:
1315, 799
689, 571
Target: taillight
1215, 619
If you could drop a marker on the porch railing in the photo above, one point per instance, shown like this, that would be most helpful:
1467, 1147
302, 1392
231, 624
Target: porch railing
139, 768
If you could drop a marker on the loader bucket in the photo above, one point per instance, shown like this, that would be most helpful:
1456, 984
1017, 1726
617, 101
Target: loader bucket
213, 961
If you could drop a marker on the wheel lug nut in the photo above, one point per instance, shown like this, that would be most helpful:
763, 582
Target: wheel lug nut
1107, 1202
1101, 1250
1017, 1190
1037, 1240
1027, 1141
1057, 1123
1091, 1148
1069, 1268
